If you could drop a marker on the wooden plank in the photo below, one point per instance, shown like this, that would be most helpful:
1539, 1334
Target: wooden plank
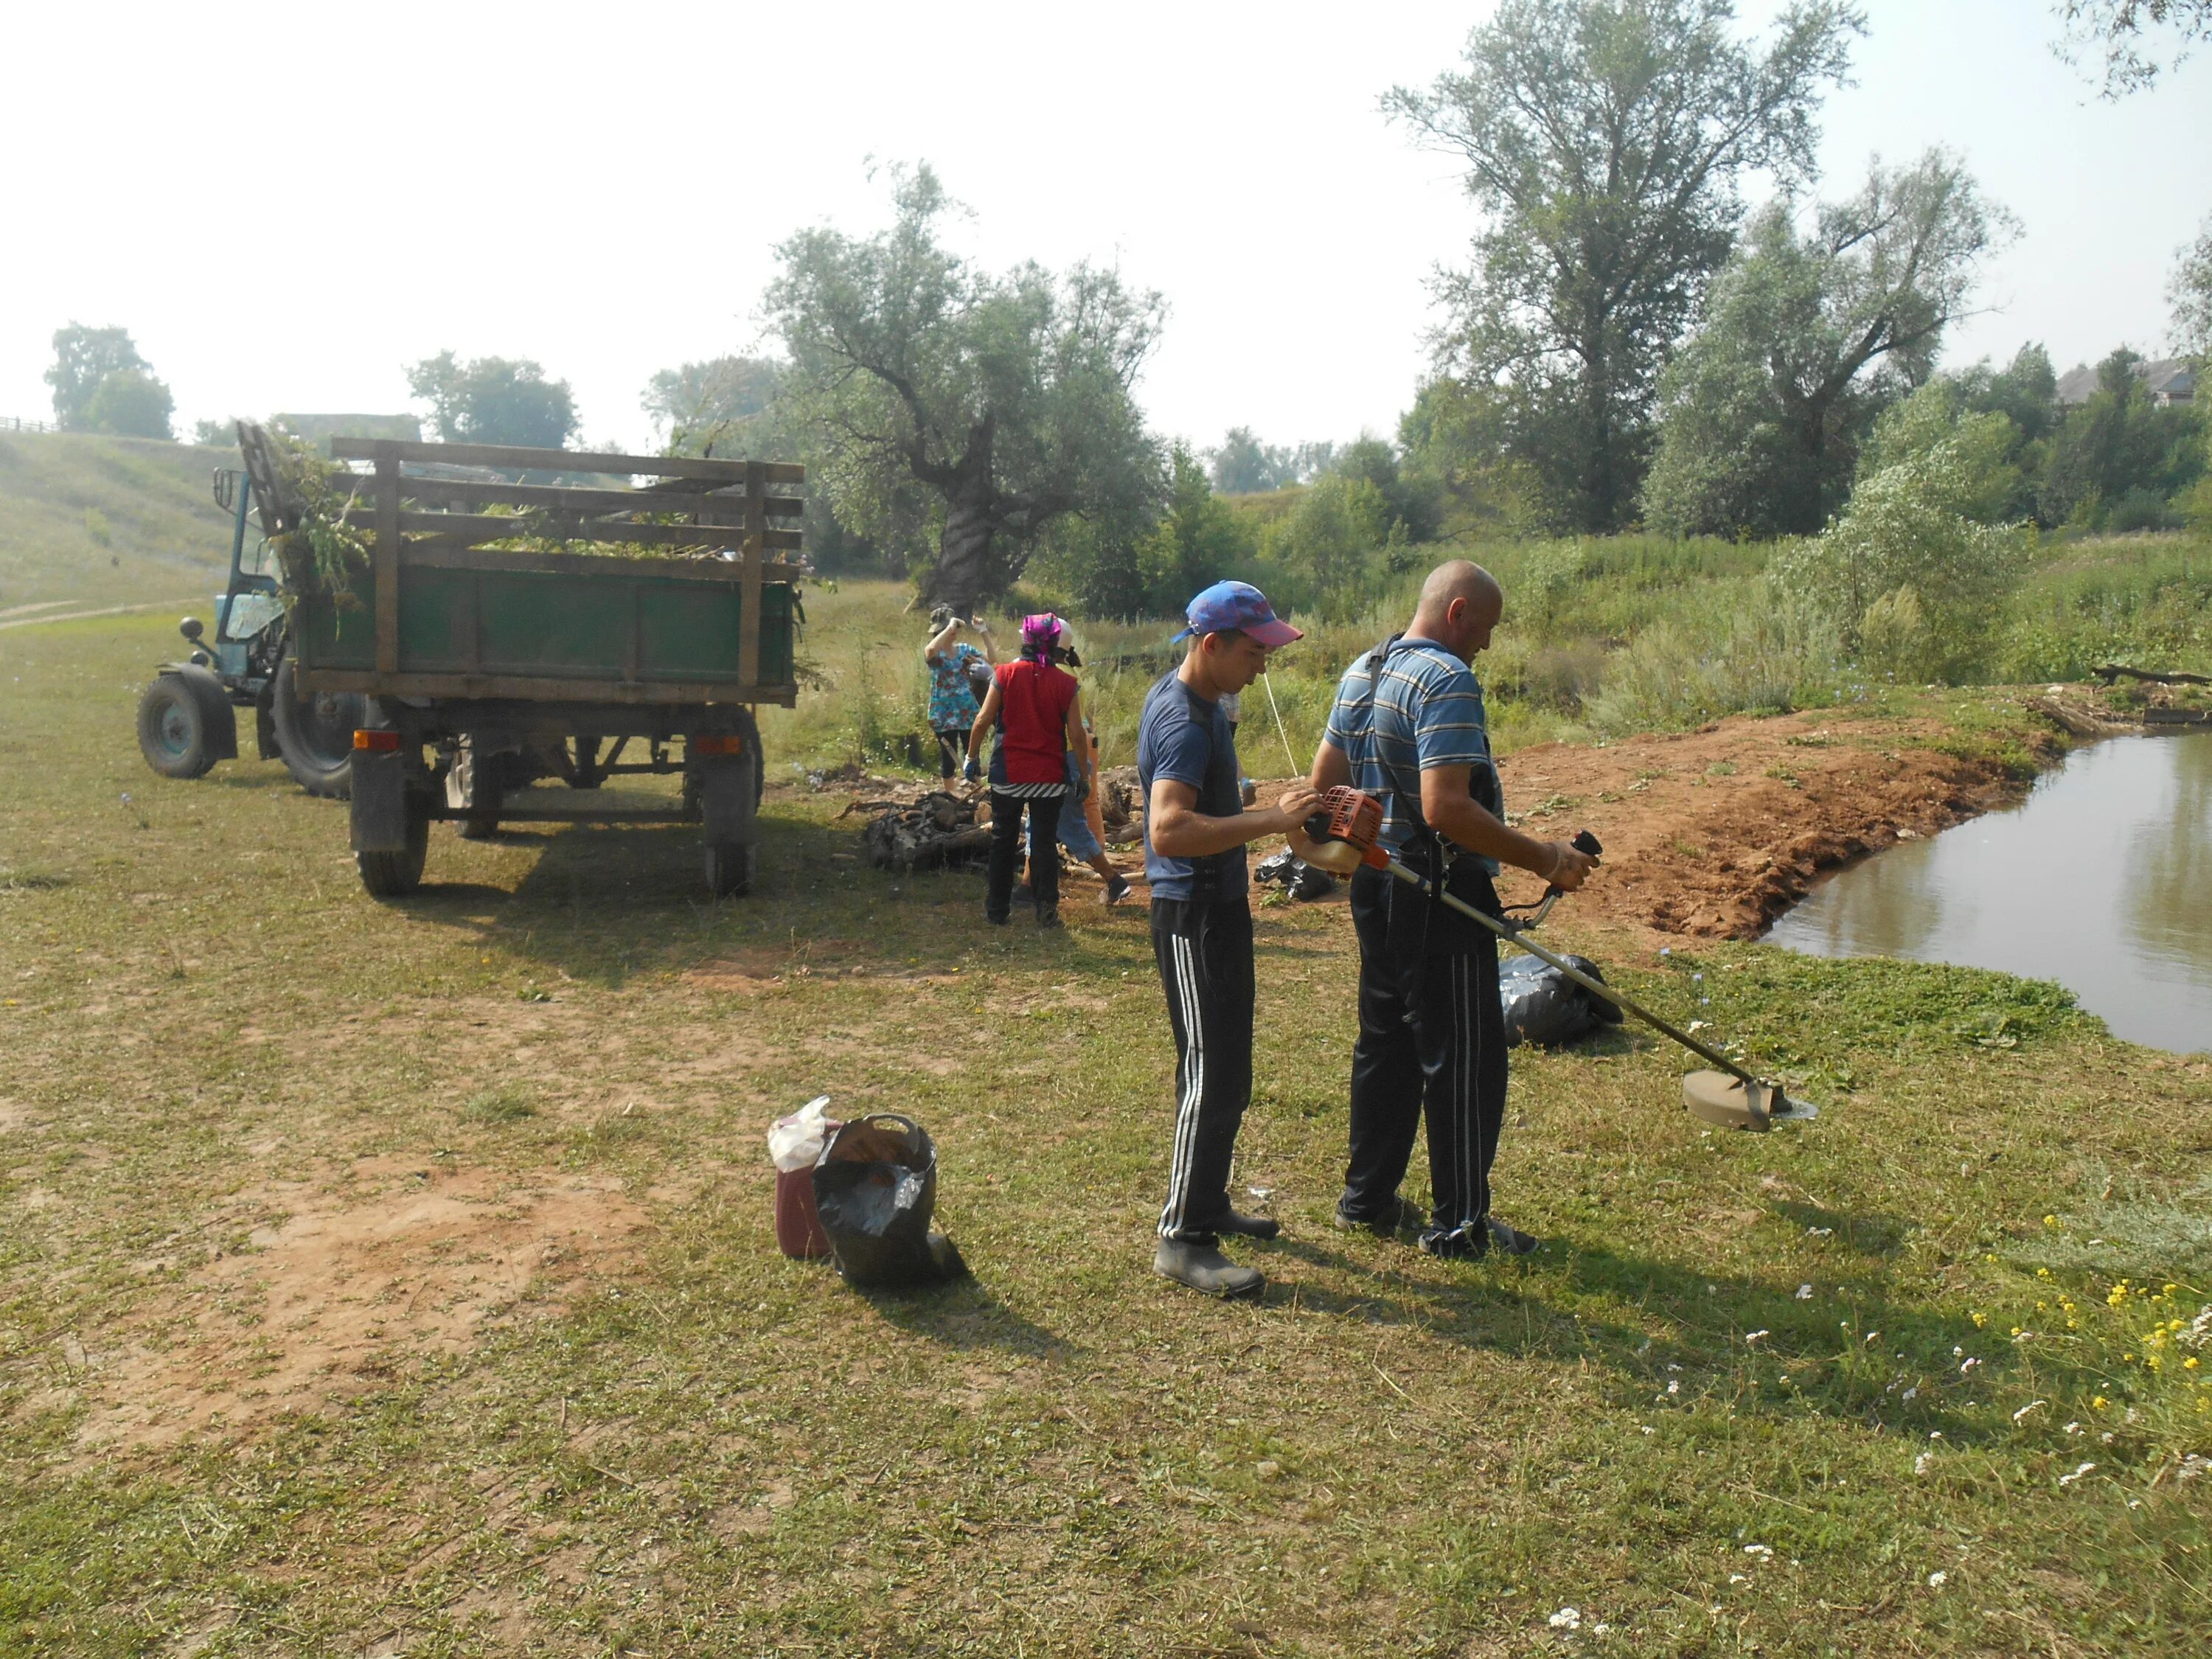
387, 557
749, 619
562, 460
528, 689
592, 564
497, 527
566, 497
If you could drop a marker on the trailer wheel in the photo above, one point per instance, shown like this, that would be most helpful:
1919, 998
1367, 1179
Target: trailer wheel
314, 739
471, 788
176, 730
395, 875
730, 868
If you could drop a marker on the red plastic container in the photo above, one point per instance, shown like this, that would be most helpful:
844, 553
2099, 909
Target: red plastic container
798, 1229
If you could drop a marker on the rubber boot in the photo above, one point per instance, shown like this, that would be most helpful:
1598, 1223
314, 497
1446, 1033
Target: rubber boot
1248, 1226
1206, 1270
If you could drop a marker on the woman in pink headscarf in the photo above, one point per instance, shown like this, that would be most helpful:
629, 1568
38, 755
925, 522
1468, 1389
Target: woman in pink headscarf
1041, 760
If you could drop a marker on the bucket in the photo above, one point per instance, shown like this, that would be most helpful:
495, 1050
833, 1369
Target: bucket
798, 1223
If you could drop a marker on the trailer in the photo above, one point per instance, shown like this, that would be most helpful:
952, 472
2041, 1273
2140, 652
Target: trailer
485, 666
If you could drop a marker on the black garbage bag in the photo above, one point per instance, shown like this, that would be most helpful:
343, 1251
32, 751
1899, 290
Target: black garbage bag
1297, 877
875, 1188
1544, 1006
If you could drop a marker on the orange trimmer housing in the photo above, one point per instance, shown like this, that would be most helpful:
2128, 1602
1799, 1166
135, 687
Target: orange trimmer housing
1355, 817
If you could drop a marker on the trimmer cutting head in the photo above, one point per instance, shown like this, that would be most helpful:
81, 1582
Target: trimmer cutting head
1732, 1104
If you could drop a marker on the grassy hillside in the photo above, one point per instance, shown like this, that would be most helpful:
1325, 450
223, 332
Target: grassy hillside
107, 521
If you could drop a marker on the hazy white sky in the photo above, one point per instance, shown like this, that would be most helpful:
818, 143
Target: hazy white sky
287, 203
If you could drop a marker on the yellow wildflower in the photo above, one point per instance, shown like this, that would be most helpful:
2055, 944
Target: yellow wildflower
2190, 1363
2051, 1221
1980, 1320
2100, 1403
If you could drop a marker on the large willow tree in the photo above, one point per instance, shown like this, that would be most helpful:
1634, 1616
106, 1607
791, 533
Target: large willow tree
1004, 400
1604, 140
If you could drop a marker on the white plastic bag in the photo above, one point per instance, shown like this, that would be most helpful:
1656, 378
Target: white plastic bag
796, 1141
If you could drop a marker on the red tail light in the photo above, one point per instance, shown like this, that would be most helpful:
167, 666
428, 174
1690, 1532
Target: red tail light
704, 745
377, 743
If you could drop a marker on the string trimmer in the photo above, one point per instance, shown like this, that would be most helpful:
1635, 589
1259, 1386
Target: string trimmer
1347, 833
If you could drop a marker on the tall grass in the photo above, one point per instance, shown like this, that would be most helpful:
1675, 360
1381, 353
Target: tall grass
1601, 638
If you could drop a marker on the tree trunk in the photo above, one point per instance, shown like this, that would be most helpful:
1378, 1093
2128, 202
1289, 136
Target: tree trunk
964, 558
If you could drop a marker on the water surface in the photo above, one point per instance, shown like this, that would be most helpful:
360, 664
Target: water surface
2101, 879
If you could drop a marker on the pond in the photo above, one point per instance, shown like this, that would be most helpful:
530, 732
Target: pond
2101, 879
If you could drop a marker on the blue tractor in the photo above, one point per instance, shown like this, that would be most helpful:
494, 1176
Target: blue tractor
187, 715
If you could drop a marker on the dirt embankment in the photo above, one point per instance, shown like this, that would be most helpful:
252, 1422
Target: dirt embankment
1716, 832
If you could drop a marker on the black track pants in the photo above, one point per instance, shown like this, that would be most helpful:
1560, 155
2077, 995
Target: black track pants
952, 750
1006, 853
1432, 1042
1204, 956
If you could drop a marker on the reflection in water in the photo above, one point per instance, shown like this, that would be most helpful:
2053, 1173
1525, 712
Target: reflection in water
2102, 880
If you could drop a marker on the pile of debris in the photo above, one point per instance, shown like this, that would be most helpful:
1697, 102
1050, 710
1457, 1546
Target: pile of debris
938, 831
1121, 806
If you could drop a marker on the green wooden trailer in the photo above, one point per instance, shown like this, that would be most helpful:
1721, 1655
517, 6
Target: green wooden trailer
486, 669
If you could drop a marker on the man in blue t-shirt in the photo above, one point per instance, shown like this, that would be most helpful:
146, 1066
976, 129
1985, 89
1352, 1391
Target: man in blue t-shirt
1409, 728
1195, 832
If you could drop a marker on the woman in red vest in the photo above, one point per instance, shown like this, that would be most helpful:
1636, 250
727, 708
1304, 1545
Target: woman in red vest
1041, 762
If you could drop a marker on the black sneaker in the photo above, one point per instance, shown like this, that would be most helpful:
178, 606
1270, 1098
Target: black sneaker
1398, 1216
1511, 1240
1049, 919
1117, 888
1463, 1243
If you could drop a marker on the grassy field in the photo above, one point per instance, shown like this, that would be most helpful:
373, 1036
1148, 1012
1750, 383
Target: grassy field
381, 1278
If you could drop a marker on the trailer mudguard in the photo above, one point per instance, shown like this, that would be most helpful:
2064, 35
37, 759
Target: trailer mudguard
380, 801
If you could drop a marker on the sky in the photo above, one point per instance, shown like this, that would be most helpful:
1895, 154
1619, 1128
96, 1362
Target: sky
287, 204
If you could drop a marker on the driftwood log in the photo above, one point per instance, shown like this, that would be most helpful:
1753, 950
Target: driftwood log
2113, 670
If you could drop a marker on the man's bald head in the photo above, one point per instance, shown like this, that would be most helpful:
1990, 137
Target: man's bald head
1459, 604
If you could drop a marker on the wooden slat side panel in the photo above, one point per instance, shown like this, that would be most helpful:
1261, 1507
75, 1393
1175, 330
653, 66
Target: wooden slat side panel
592, 564
492, 528
565, 498
561, 460
386, 558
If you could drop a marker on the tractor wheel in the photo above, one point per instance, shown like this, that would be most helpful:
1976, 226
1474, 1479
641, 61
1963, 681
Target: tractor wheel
395, 875
175, 732
471, 788
730, 868
315, 737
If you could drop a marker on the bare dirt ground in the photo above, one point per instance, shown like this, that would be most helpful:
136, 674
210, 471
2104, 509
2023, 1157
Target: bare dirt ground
1714, 833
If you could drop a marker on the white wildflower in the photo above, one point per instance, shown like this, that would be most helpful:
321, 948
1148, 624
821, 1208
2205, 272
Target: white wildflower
2068, 1479
1936, 1580
2028, 1408
1804, 1293
1566, 1618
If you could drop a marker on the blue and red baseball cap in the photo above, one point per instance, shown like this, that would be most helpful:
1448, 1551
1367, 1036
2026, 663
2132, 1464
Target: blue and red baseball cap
1239, 605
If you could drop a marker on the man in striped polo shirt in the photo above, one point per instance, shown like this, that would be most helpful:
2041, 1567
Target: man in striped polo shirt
1409, 728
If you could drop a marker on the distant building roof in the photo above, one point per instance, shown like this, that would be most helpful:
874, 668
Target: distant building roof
320, 429
2169, 380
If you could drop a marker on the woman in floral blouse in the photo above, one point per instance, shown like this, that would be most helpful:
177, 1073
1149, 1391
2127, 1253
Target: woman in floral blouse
952, 699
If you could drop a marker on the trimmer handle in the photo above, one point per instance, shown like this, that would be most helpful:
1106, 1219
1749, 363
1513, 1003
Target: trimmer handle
1584, 842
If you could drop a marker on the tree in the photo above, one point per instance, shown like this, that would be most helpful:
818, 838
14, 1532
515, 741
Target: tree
2190, 292
130, 404
1197, 541
715, 405
1807, 339
85, 360
2116, 31
1006, 398
1603, 139
2119, 461
495, 400
1242, 465
1910, 583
